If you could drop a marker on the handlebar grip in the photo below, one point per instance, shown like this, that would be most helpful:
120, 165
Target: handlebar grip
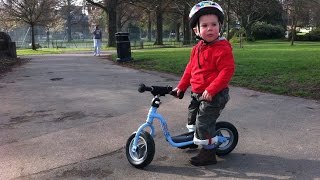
157, 90
174, 93
142, 88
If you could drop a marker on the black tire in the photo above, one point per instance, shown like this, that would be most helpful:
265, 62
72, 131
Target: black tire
145, 150
227, 130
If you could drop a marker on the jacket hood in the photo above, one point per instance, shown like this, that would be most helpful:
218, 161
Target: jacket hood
219, 42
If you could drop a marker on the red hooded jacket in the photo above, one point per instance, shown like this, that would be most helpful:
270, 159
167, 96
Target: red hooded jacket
211, 67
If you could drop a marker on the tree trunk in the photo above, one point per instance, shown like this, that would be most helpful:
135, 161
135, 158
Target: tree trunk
69, 28
149, 26
178, 32
33, 44
228, 21
293, 29
186, 29
69, 36
112, 23
119, 25
159, 27
248, 31
48, 38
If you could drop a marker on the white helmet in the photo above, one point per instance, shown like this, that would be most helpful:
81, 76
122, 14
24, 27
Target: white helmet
203, 8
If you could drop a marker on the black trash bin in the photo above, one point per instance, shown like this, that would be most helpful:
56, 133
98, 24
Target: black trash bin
123, 46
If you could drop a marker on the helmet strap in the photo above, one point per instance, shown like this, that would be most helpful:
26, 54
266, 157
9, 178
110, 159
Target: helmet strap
198, 36
221, 27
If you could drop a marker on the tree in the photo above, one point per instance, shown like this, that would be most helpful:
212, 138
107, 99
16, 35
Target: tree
297, 11
127, 13
183, 8
6, 21
67, 6
250, 11
96, 15
315, 14
159, 19
158, 7
146, 9
31, 12
110, 7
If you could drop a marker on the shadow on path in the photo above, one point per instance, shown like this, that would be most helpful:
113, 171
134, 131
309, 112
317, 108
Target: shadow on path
240, 166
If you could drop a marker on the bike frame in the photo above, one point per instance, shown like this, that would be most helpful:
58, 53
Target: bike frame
152, 115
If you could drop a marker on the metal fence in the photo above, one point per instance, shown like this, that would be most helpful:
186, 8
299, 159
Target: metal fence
43, 39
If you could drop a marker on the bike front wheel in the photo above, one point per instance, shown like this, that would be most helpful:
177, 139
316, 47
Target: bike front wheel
230, 132
145, 150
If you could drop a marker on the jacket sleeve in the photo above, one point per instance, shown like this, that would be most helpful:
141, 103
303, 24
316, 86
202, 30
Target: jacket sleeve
226, 67
185, 79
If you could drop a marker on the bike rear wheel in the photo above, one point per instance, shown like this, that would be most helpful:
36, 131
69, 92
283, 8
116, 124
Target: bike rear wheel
145, 150
229, 131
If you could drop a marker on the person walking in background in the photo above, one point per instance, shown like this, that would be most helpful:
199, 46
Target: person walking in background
97, 37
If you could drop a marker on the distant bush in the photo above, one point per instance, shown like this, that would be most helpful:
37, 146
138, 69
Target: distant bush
235, 35
262, 30
313, 35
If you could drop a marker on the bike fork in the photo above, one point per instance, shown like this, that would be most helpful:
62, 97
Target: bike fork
136, 138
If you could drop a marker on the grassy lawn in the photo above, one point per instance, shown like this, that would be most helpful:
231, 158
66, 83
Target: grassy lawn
25, 52
268, 66
21, 52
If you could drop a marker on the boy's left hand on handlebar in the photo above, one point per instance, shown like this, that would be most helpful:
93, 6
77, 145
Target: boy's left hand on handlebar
178, 90
178, 93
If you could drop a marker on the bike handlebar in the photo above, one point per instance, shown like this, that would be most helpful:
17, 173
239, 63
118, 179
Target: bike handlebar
160, 90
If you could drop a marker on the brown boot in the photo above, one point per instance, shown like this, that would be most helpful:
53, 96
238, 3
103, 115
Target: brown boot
199, 154
205, 157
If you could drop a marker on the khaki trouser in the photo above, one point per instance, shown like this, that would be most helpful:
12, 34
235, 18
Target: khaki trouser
204, 114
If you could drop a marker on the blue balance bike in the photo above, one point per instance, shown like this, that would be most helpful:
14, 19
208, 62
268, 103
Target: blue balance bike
140, 147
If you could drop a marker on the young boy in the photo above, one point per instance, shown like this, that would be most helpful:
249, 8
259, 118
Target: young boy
209, 71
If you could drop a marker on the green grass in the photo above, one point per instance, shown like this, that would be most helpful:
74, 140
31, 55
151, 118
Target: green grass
171, 60
23, 52
41, 51
268, 66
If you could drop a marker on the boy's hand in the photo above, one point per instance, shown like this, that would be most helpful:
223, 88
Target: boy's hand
178, 91
206, 96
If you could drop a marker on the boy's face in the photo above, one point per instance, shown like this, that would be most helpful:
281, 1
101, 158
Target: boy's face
209, 27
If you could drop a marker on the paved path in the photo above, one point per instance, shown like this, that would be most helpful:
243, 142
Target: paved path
68, 117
